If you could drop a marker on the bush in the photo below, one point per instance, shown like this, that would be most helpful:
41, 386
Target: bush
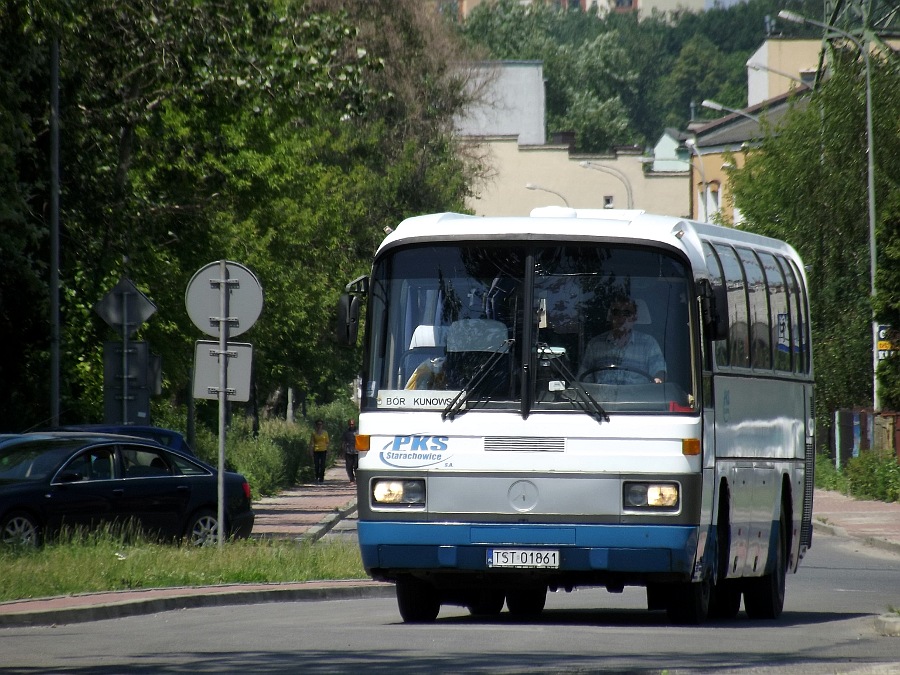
871, 475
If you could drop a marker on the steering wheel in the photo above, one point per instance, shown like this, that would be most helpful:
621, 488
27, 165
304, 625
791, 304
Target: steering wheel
585, 376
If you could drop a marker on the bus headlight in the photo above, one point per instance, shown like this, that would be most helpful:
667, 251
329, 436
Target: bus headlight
663, 496
391, 491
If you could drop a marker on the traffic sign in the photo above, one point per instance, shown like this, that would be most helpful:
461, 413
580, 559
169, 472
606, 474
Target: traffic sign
125, 308
244, 300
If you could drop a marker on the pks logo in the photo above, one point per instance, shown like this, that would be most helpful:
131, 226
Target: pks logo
415, 451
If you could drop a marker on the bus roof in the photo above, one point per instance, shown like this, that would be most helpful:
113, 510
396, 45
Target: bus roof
556, 222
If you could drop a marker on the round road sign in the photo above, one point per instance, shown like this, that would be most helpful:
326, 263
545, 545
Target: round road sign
243, 301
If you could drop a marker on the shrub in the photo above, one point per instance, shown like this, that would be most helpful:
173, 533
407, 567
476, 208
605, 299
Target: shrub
871, 475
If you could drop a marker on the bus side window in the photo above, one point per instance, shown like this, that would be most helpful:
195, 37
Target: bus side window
758, 306
717, 280
780, 308
738, 330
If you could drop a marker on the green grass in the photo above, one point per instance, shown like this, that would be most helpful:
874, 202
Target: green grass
105, 562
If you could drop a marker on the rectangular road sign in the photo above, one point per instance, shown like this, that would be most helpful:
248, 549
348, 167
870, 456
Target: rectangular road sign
206, 370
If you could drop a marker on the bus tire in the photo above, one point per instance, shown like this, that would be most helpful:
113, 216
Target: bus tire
526, 601
486, 602
417, 601
689, 602
764, 596
725, 601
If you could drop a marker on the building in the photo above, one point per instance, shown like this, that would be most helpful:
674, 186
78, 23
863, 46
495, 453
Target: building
507, 129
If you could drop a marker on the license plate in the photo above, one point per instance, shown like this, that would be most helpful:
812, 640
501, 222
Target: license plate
522, 557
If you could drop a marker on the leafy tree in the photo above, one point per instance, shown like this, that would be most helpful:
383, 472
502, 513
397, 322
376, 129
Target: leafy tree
280, 134
807, 185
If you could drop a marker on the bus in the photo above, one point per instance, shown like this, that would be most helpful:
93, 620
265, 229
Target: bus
579, 398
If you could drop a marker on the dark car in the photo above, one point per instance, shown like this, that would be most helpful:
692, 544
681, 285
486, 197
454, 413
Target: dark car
166, 437
54, 479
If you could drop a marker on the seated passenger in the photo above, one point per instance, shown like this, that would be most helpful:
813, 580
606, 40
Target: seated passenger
621, 355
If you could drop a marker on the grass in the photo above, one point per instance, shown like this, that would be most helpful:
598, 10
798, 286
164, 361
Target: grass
106, 562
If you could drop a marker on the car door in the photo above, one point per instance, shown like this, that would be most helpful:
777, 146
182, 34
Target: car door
83, 492
153, 492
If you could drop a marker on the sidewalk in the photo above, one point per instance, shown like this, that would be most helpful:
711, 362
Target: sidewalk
312, 511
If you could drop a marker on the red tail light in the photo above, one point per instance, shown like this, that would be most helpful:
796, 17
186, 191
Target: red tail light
246, 487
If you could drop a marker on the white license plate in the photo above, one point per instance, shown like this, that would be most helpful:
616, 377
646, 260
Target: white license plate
522, 557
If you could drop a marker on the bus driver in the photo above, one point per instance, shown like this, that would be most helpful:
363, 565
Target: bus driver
621, 355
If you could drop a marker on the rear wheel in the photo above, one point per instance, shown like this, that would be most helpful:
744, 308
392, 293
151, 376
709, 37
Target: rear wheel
764, 596
20, 529
526, 601
417, 600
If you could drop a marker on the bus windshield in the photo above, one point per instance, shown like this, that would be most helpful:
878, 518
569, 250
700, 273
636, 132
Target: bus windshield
584, 327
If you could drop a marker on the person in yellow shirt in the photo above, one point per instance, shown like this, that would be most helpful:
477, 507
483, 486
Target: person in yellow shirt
318, 448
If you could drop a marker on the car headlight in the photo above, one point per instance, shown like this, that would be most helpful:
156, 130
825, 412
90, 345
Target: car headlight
654, 496
395, 492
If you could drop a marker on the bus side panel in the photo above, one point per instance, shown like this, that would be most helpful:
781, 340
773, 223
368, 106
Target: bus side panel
760, 438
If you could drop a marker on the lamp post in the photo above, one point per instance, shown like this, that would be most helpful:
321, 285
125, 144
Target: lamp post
713, 105
691, 144
780, 73
870, 151
613, 172
535, 186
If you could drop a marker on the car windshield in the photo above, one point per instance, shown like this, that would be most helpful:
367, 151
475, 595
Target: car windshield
33, 459
577, 327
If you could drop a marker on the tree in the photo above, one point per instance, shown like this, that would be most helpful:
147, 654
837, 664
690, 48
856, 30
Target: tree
806, 184
283, 135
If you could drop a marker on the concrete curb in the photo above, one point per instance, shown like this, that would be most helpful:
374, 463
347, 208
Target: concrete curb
210, 596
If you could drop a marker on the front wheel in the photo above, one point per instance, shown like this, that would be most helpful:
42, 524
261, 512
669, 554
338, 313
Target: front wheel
486, 603
417, 600
689, 602
20, 529
764, 596
526, 601
202, 529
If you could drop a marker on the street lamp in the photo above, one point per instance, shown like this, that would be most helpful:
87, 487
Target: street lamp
691, 144
870, 151
613, 172
781, 73
535, 186
713, 105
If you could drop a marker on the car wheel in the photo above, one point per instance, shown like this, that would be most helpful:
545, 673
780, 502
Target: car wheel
486, 602
20, 529
202, 529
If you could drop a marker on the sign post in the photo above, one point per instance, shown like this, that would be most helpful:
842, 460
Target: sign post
223, 298
125, 308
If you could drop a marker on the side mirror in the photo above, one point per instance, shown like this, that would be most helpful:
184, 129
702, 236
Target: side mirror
348, 319
714, 308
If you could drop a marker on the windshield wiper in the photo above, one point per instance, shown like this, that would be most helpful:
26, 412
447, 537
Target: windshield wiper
585, 401
457, 405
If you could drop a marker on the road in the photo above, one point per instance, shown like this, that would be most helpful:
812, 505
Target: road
827, 626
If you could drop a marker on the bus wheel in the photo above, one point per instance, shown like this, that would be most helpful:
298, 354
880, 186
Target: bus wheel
764, 596
417, 600
526, 601
725, 601
486, 602
689, 602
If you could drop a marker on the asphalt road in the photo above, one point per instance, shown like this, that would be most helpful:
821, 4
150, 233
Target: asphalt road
827, 627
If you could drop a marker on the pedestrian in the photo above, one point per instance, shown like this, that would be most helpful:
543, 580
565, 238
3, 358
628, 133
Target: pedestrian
351, 454
318, 448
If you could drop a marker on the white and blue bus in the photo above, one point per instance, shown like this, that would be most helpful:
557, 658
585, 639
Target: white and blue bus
583, 398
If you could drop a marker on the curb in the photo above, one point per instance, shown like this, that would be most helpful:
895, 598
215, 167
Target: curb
209, 596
